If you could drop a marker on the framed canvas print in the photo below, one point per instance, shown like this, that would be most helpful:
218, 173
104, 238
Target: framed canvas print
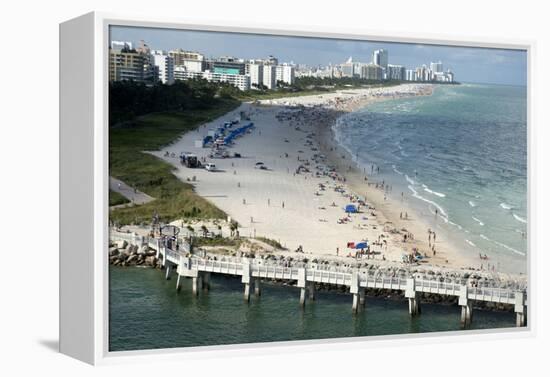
228, 188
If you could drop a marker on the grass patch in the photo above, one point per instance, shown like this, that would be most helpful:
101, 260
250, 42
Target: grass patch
116, 199
128, 162
217, 241
271, 242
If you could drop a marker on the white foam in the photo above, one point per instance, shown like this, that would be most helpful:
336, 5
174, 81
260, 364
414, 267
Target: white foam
509, 248
397, 171
520, 219
470, 243
409, 179
427, 189
472, 204
478, 221
505, 206
442, 212
502, 245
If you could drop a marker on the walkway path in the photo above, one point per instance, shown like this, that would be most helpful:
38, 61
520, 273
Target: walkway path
133, 195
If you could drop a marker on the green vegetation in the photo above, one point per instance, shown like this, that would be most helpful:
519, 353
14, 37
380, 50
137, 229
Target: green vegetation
128, 100
271, 242
129, 162
303, 86
116, 199
146, 118
217, 241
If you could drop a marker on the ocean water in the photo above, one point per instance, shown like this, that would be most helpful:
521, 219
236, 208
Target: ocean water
146, 312
461, 152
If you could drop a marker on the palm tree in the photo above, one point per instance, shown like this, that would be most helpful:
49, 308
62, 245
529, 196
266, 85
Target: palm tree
233, 227
204, 231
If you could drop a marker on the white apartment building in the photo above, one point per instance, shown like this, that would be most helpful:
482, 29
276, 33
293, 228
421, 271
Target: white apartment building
396, 72
372, 72
410, 75
165, 66
270, 76
256, 73
285, 73
192, 61
240, 81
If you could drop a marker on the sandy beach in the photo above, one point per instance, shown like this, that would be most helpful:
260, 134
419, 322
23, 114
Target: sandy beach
308, 180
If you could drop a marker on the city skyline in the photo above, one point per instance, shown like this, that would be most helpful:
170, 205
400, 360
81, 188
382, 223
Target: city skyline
476, 65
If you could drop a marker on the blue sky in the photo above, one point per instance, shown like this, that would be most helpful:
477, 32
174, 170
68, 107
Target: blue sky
479, 65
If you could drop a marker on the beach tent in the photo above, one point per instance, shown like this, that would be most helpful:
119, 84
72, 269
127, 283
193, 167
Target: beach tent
351, 208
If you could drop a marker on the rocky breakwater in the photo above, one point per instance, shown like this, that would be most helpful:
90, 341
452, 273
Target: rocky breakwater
123, 254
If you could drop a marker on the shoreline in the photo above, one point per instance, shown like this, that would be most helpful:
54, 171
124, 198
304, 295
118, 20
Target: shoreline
300, 190
389, 208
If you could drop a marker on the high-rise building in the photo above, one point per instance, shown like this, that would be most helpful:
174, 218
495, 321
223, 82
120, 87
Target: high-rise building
126, 65
228, 65
285, 73
396, 72
270, 76
165, 66
256, 73
372, 72
436, 67
240, 81
410, 75
380, 58
191, 61
121, 45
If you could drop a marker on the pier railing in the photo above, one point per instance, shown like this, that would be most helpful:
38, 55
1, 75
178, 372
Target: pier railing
305, 276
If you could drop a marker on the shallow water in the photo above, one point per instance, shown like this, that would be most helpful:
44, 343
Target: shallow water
461, 152
146, 312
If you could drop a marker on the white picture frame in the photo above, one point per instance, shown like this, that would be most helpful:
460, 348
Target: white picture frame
84, 315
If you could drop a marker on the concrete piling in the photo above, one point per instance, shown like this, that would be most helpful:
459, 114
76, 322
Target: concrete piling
197, 284
206, 281
312, 291
247, 292
362, 297
257, 287
302, 297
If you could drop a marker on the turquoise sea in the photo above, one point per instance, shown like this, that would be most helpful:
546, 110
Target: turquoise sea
146, 312
461, 152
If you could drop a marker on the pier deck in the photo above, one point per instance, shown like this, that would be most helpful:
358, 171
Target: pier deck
251, 271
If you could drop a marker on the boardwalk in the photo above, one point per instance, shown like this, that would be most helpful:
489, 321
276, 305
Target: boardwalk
252, 271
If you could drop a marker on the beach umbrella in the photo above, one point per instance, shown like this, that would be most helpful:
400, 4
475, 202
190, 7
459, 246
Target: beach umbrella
361, 245
351, 208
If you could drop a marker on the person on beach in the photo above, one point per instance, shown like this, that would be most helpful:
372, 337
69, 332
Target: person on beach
244, 201
283, 204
